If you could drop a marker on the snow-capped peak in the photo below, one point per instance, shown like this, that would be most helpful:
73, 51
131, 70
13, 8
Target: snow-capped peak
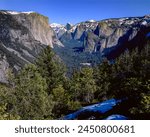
54, 25
58, 28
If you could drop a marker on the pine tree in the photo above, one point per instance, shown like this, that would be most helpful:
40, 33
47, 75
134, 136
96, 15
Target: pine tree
61, 99
83, 85
103, 76
51, 69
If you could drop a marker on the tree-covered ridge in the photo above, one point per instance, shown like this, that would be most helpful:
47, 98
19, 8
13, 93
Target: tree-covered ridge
43, 91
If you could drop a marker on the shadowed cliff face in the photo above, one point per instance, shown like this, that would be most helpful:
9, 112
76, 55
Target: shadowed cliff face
22, 37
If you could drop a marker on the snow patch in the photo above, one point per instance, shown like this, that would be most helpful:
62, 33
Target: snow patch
91, 21
58, 28
129, 22
53, 25
144, 23
16, 13
122, 19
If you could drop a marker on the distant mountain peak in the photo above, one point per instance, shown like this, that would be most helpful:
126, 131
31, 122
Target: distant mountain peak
56, 25
68, 26
58, 28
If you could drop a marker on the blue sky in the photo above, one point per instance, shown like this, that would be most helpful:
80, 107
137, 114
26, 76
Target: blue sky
74, 11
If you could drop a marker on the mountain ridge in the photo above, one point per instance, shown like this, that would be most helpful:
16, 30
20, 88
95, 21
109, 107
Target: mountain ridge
103, 37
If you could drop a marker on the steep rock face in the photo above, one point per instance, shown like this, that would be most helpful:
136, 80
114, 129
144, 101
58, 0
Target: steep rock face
37, 24
92, 40
79, 29
22, 37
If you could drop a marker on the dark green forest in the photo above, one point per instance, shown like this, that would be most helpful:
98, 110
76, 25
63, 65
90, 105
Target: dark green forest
43, 90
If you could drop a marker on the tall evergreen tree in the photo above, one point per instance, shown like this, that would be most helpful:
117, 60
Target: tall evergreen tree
51, 68
83, 85
103, 76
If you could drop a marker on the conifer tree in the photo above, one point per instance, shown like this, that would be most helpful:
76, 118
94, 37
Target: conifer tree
83, 85
51, 68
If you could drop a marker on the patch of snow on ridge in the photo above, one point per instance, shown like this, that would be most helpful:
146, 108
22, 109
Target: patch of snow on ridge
91, 21
16, 13
144, 23
28, 12
122, 19
13, 12
56, 25
129, 22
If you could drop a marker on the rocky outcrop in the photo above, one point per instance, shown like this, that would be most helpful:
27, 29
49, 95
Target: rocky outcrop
22, 37
68, 26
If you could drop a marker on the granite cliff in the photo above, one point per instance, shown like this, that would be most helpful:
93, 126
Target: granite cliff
22, 36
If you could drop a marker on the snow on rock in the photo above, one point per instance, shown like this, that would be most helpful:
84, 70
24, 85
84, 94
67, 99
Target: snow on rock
129, 22
144, 23
122, 19
28, 12
58, 28
91, 21
56, 25
16, 13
